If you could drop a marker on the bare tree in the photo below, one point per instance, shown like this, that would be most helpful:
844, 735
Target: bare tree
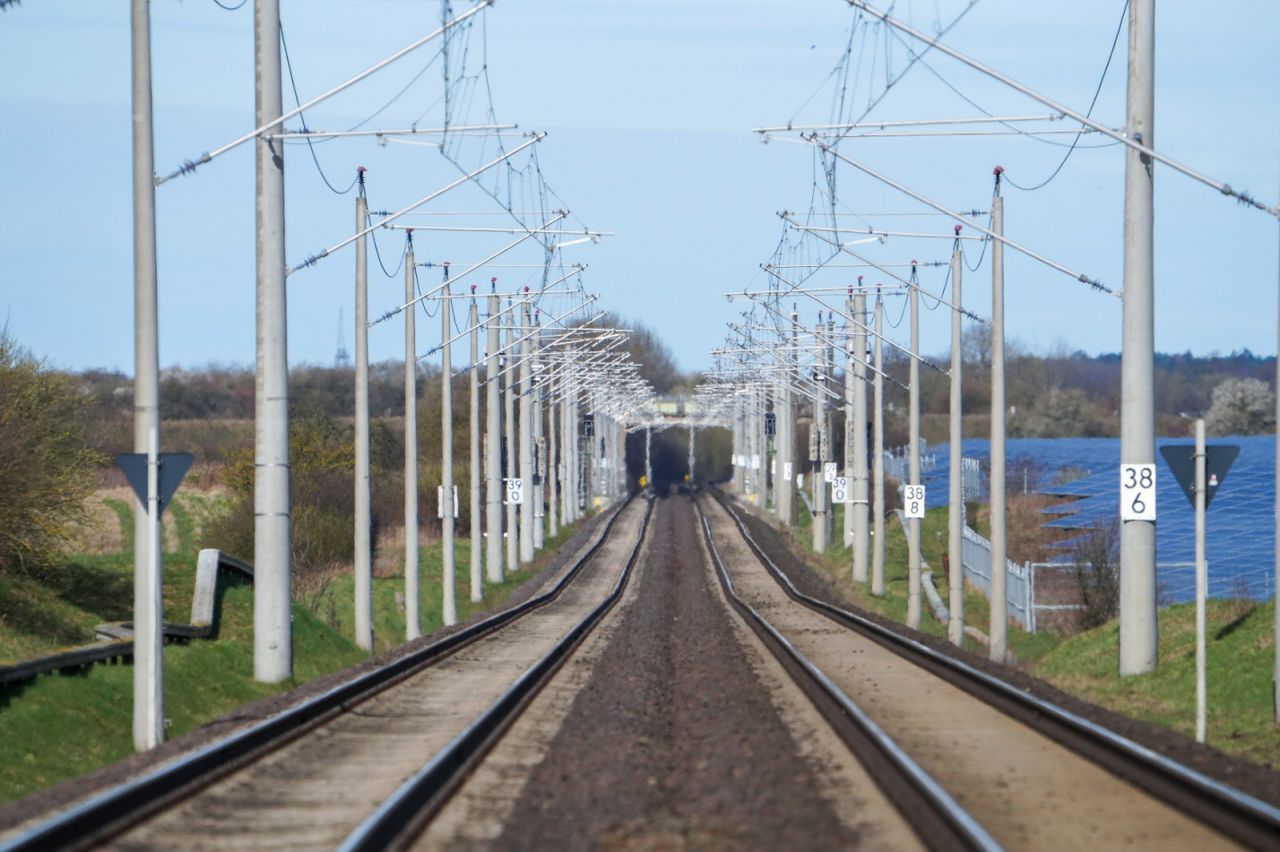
1097, 563
975, 343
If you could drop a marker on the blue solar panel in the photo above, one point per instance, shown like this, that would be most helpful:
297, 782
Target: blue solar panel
1240, 521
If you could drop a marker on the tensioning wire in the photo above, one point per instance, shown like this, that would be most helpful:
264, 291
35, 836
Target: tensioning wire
1030, 134
288, 64
1096, 92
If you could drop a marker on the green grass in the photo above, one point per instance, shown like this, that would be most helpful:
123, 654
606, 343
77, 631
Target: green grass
63, 725
60, 726
124, 513
56, 608
334, 601
1240, 657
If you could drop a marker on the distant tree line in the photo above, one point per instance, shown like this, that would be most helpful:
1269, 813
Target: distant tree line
1065, 393
1061, 393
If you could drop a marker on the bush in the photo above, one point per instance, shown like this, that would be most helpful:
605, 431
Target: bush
46, 467
322, 491
1097, 564
1241, 407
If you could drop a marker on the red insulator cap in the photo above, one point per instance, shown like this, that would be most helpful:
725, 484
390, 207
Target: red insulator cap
958, 229
445, 264
859, 279
493, 280
473, 289
360, 170
997, 171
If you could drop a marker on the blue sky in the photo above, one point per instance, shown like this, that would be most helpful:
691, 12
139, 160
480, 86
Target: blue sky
649, 109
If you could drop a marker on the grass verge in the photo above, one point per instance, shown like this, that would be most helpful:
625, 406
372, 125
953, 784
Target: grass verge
1240, 659
63, 725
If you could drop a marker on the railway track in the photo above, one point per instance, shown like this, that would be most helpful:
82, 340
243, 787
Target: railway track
365, 764
972, 761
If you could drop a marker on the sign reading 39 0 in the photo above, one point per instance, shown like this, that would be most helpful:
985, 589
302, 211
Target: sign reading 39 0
1137, 492
840, 490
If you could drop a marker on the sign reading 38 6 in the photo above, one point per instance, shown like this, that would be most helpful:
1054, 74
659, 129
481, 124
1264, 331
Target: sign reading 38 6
1137, 492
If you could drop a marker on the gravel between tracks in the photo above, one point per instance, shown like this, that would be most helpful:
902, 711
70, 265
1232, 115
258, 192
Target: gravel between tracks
1254, 779
47, 802
673, 743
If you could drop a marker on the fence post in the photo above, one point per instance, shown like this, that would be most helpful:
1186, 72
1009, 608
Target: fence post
1031, 597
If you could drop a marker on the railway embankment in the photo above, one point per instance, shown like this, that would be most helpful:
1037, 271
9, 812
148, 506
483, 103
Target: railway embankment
72, 729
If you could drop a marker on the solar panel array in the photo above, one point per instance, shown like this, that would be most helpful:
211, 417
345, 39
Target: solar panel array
1240, 521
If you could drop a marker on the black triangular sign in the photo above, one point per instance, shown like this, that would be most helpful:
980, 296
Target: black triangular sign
1218, 459
173, 466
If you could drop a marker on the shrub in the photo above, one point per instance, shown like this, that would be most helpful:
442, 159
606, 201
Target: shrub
1241, 407
322, 485
1097, 564
46, 467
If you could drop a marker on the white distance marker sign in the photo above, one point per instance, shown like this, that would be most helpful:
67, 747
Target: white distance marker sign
1137, 492
829, 471
913, 501
786, 471
515, 491
840, 490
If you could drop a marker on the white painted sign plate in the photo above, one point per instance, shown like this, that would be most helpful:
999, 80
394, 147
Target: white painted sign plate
840, 490
1137, 492
515, 491
913, 501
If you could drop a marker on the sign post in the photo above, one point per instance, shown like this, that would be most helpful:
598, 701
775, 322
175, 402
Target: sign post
154, 476
1200, 470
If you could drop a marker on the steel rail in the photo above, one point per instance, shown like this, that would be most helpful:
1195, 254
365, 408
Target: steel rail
1233, 812
118, 808
401, 817
934, 815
